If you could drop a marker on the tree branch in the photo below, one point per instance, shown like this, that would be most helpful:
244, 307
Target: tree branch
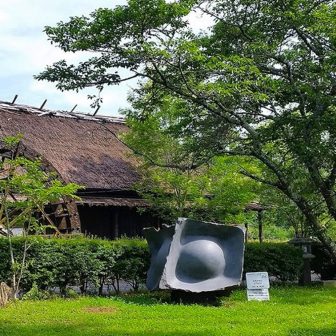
259, 179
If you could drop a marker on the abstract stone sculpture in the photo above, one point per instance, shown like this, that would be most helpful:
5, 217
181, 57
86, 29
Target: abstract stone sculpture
195, 256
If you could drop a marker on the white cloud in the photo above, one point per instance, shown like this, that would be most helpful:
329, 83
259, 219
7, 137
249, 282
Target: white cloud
25, 51
3, 18
23, 44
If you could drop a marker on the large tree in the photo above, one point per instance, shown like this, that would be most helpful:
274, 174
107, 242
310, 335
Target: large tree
170, 181
260, 82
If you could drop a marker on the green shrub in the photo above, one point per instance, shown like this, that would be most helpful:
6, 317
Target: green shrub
71, 293
132, 265
36, 293
280, 260
87, 263
91, 264
322, 263
4, 260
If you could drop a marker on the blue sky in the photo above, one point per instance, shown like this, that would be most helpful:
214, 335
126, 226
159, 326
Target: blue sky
25, 51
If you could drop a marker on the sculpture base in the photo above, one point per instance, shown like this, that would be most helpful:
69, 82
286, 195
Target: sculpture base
203, 298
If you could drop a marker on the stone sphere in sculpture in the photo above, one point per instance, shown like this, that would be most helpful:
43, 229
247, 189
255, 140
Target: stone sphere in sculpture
200, 260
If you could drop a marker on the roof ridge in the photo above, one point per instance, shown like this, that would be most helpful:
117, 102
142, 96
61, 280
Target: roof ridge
59, 113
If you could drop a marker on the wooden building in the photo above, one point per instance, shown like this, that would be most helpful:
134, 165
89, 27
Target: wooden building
85, 150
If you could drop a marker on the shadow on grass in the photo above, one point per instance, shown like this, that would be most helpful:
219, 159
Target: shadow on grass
12, 329
172, 298
285, 294
146, 299
313, 332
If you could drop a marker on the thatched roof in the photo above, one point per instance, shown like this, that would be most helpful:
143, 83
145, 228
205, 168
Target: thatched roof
81, 148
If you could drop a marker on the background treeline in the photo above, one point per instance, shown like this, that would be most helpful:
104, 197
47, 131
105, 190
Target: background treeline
94, 264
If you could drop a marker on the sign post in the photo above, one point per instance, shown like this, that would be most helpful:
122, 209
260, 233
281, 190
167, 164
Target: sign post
257, 286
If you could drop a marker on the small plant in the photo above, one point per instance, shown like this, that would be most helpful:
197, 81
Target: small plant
37, 294
71, 293
25, 188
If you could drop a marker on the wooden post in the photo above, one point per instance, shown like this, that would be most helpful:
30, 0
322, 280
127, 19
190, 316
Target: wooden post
96, 111
74, 220
246, 232
260, 227
73, 109
116, 223
14, 100
43, 104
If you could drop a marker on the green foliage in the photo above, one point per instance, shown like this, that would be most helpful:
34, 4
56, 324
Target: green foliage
91, 264
260, 83
213, 191
29, 179
5, 267
87, 263
204, 193
37, 294
12, 141
280, 260
174, 182
132, 265
292, 311
322, 264
271, 232
26, 187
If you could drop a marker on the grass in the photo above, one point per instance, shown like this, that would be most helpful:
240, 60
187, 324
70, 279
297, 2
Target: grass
292, 311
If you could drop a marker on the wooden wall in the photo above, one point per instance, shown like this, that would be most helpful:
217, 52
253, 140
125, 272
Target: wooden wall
113, 222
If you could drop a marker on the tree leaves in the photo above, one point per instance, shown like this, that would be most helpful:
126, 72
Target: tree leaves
260, 82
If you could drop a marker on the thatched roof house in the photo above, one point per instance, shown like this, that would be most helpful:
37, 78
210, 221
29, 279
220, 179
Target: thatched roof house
86, 150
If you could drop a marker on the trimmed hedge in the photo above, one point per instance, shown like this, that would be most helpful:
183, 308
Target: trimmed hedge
280, 260
92, 264
322, 263
83, 262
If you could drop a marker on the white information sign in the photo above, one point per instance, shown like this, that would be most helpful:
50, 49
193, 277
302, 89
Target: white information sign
257, 286
258, 294
257, 280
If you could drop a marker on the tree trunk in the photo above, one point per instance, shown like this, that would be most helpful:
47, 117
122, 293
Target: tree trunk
318, 230
246, 232
260, 227
285, 187
6, 294
325, 188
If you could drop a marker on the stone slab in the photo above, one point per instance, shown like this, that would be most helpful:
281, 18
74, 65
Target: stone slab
195, 256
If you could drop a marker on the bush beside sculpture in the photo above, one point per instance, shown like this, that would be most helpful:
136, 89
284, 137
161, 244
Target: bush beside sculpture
86, 263
322, 263
92, 263
281, 260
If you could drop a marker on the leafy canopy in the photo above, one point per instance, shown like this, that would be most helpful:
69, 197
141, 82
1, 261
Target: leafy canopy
260, 82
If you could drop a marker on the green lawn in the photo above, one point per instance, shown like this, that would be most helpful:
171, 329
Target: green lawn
291, 311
